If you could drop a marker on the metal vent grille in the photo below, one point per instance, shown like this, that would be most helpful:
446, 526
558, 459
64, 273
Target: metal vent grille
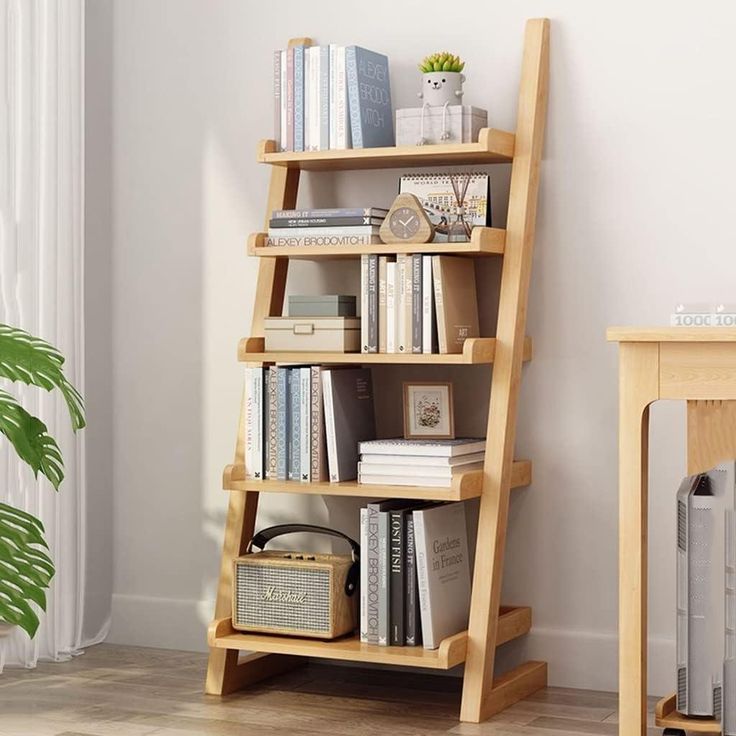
717, 703
682, 526
682, 689
256, 607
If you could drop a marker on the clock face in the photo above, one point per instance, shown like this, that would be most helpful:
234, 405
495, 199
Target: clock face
404, 223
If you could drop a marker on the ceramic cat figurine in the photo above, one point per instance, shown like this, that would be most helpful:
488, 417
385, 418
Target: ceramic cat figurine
442, 85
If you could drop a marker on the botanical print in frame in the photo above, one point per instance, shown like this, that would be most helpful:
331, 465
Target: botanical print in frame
428, 411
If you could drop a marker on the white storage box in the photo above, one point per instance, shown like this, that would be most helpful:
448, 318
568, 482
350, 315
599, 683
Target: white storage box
329, 334
463, 124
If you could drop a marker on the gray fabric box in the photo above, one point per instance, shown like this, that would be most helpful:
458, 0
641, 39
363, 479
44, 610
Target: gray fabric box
463, 124
323, 305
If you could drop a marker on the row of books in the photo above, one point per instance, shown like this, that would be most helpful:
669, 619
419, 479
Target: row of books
415, 573
304, 423
331, 97
431, 463
332, 226
417, 303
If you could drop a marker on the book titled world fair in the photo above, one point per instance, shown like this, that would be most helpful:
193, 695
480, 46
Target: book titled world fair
443, 570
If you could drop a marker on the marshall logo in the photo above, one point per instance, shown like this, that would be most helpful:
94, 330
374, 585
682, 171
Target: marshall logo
275, 595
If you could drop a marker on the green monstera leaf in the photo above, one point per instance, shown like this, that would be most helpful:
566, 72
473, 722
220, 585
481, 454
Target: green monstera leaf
25, 568
33, 361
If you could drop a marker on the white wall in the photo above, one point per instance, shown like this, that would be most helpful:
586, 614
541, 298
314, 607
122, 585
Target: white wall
634, 217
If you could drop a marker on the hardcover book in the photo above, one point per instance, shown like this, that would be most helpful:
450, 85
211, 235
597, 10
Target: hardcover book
428, 448
277, 97
283, 428
342, 121
391, 307
401, 300
429, 323
323, 115
417, 304
369, 303
412, 621
321, 222
427, 461
369, 98
349, 418
370, 552
298, 98
273, 430
330, 212
290, 98
296, 232
383, 262
283, 140
398, 580
294, 423
305, 423
417, 471
455, 301
318, 453
339, 238
443, 571
254, 410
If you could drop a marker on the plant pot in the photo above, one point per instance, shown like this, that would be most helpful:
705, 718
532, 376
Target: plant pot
441, 87
6, 629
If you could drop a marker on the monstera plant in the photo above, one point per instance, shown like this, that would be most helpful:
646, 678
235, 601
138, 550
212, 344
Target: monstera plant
26, 569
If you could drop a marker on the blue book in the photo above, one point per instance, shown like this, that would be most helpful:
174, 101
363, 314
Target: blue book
294, 424
369, 98
282, 423
299, 98
324, 98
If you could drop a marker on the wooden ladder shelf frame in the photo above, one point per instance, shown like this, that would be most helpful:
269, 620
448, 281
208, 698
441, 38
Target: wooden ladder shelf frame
482, 695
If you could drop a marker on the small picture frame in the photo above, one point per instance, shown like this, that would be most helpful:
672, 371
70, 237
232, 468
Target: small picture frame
428, 411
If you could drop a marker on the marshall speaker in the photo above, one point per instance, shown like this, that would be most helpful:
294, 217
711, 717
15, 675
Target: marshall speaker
296, 593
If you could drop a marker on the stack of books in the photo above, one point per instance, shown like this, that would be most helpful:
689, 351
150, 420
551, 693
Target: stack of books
304, 423
417, 303
415, 573
399, 462
330, 227
331, 97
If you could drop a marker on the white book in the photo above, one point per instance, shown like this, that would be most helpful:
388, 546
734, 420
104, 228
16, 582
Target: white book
391, 307
341, 101
305, 424
254, 423
330, 437
314, 76
427, 306
427, 461
443, 569
436, 448
304, 232
307, 97
333, 95
412, 472
402, 480
400, 313
364, 308
283, 143
363, 575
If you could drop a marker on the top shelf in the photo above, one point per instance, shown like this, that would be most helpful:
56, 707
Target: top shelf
493, 147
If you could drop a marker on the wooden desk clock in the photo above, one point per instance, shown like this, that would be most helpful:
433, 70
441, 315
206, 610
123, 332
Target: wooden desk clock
407, 222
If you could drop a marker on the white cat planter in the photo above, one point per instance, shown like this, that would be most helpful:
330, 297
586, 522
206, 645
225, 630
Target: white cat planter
440, 89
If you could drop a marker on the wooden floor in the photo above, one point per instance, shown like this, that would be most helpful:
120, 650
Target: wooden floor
116, 691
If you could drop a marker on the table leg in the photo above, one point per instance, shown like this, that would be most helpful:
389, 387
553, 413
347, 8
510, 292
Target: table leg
639, 387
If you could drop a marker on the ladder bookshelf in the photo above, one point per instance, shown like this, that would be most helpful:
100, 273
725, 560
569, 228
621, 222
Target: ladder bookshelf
490, 623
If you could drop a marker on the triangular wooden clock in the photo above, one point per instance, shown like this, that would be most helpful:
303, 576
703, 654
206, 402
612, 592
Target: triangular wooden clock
407, 222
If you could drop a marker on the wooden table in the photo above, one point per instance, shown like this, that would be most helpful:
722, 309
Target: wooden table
697, 365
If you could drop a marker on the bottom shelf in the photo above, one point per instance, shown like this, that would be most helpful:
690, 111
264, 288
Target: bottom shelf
512, 623
665, 716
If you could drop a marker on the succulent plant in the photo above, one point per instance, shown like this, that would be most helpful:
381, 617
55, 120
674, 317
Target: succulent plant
442, 61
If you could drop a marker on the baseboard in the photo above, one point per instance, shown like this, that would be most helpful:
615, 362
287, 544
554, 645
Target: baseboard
578, 659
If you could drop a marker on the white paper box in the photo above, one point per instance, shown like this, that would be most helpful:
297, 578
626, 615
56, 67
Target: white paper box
463, 124
329, 334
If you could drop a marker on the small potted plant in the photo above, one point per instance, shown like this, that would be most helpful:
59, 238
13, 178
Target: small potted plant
26, 570
442, 79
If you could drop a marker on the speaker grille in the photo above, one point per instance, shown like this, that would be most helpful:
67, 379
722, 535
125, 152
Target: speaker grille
682, 526
717, 703
682, 689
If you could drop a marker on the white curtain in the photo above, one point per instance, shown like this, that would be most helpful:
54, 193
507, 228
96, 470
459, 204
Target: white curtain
41, 283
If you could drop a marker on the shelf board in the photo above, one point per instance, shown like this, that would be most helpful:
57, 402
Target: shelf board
464, 486
665, 716
476, 350
512, 623
493, 147
671, 334
484, 241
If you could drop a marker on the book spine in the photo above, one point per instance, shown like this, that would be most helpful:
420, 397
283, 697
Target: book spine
416, 304
384, 568
423, 581
283, 142
401, 304
341, 120
331, 439
273, 430
408, 315
324, 98
318, 453
290, 99
333, 97
353, 90
397, 581
299, 232
382, 317
308, 98
332, 212
247, 420
364, 575
364, 265
298, 98
411, 611
282, 424
254, 418
373, 575
316, 222
391, 307
277, 96
327, 240
315, 102
372, 304
305, 424
294, 424
427, 306
439, 304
